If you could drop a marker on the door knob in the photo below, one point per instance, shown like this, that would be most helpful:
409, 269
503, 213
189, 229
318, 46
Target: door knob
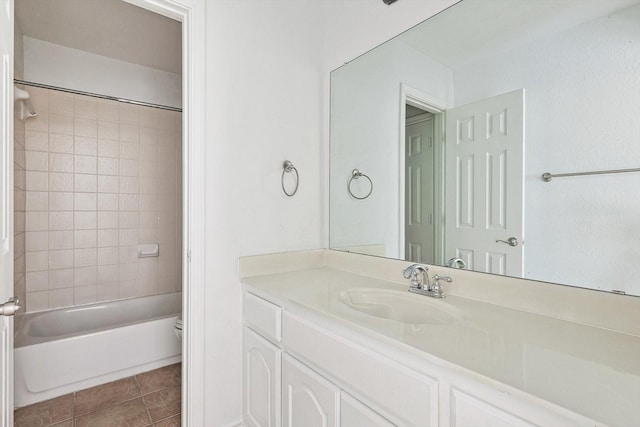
10, 307
511, 241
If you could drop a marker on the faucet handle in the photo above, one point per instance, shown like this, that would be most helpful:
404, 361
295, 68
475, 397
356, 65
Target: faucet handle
437, 286
437, 278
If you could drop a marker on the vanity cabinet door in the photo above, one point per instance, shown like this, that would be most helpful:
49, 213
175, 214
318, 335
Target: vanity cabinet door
470, 411
309, 400
262, 376
356, 414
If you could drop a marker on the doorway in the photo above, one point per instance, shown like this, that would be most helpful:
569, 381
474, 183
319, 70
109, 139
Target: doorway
421, 194
419, 186
192, 17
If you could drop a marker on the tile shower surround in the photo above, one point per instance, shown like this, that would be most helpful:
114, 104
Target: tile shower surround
101, 177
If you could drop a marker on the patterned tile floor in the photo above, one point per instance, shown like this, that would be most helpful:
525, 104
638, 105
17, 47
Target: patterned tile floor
148, 399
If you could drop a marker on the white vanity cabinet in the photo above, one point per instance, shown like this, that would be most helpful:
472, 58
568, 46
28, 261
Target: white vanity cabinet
468, 411
308, 399
262, 378
300, 370
262, 366
355, 414
279, 390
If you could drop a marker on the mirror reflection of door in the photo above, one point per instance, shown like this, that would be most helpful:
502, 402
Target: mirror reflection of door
419, 187
484, 165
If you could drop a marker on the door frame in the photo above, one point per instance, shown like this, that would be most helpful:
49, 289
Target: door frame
431, 104
7, 239
191, 13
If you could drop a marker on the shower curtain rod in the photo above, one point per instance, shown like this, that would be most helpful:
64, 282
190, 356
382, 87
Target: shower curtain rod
96, 95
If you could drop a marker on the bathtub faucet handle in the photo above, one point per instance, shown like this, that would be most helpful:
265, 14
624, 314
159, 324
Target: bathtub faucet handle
10, 307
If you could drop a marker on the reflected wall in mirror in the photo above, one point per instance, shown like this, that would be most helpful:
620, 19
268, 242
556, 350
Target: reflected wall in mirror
456, 120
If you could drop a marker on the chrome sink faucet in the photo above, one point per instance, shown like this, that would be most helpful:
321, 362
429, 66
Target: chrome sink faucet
423, 286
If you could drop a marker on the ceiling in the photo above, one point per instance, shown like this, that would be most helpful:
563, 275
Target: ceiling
490, 27
111, 28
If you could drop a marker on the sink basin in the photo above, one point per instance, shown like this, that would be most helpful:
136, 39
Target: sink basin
400, 306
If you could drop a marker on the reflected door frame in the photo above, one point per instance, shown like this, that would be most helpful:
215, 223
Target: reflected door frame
426, 102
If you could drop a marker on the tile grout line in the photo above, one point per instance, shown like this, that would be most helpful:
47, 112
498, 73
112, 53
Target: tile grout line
144, 402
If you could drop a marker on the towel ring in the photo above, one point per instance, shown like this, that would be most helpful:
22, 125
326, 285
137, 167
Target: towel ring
356, 174
287, 167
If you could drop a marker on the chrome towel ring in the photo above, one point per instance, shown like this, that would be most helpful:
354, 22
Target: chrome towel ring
288, 167
356, 174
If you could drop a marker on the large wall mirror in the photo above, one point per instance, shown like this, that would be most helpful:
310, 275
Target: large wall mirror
440, 139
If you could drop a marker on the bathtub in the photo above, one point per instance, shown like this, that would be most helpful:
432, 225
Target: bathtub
70, 349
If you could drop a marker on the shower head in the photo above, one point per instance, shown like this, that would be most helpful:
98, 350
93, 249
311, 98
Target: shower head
19, 94
26, 108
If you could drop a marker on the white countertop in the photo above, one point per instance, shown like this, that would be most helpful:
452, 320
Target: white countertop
588, 370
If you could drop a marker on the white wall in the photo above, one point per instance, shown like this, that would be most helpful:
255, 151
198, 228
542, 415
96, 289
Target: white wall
264, 86
61, 66
373, 148
267, 70
577, 230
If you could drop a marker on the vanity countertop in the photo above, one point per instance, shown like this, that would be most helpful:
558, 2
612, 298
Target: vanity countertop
589, 370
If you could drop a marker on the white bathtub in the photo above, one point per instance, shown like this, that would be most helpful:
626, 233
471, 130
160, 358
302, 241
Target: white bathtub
66, 350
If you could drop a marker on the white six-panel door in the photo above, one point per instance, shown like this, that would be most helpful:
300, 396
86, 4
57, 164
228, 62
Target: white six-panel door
484, 164
6, 210
419, 191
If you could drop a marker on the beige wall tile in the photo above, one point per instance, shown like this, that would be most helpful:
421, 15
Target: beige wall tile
108, 110
61, 220
37, 181
37, 261
85, 239
37, 221
108, 147
87, 146
61, 123
86, 183
59, 143
59, 181
90, 189
61, 201
85, 220
85, 257
62, 278
108, 274
61, 162
107, 184
85, 106
85, 201
108, 255
85, 276
37, 241
61, 239
36, 161
60, 297
61, 258
37, 141
108, 166
108, 238
85, 164
85, 127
